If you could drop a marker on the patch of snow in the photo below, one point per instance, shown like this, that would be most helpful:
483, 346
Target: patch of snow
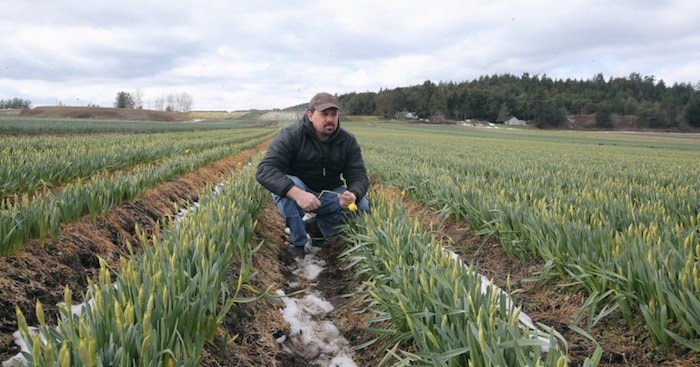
312, 334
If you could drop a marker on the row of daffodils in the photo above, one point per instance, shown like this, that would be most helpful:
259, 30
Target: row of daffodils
167, 300
432, 309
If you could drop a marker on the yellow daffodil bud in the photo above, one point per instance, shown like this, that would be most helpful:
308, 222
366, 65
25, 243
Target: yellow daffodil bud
352, 207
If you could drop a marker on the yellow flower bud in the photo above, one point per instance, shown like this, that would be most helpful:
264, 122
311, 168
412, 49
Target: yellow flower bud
352, 207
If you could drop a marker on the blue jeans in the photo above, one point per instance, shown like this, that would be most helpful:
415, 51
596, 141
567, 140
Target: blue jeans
329, 216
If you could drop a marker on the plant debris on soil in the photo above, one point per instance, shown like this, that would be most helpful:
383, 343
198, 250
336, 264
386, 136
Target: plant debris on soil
249, 335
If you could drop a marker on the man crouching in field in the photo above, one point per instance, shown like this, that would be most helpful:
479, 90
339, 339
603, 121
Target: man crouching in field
303, 168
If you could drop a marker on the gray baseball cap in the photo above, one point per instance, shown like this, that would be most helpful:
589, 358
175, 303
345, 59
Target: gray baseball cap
323, 101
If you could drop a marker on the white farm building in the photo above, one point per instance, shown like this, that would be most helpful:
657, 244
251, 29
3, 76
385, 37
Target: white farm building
514, 121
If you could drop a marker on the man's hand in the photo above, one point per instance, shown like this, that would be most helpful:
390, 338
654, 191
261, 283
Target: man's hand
346, 198
306, 200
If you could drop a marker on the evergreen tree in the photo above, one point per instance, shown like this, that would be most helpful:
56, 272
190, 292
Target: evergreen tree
550, 115
438, 103
603, 117
692, 111
651, 116
503, 113
124, 100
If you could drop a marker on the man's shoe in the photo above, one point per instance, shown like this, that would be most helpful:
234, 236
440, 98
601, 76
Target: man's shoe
296, 252
333, 241
318, 242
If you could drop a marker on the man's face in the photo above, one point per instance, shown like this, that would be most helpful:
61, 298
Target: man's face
325, 122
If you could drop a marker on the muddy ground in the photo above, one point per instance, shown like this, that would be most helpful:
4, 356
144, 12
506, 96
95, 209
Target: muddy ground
40, 273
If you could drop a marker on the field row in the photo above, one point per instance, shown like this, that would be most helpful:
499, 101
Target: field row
147, 160
28, 163
620, 219
168, 300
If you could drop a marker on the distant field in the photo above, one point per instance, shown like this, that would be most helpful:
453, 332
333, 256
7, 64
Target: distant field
360, 118
216, 115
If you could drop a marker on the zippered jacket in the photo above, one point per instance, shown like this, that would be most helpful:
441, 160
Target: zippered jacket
321, 165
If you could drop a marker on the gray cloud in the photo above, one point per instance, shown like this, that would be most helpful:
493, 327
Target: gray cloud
275, 54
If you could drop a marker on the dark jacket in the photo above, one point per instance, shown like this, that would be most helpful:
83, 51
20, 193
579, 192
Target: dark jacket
297, 151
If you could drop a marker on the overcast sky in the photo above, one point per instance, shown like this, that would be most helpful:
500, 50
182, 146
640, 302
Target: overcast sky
230, 55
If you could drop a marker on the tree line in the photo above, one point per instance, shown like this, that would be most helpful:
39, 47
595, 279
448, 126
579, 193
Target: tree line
540, 99
181, 102
17, 103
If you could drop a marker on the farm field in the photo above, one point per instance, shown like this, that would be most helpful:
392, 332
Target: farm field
595, 235
600, 220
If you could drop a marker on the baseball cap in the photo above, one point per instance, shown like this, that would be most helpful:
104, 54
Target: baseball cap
323, 101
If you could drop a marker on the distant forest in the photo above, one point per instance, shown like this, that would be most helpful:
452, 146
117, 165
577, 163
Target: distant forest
542, 101
17, 103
